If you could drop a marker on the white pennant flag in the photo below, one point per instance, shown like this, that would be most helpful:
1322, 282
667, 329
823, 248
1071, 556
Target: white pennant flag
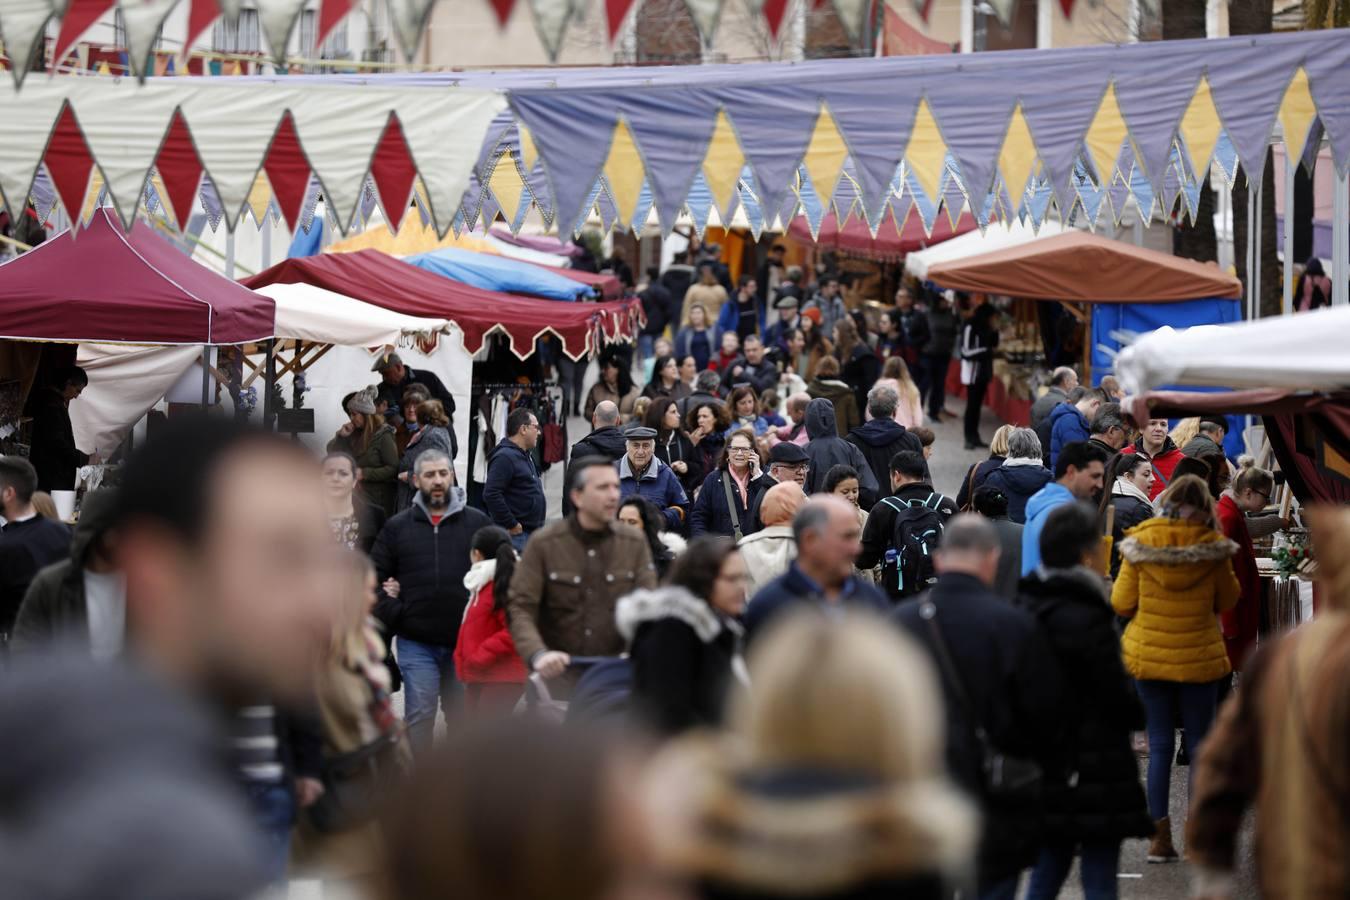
706, 15
410, 20
551, 18
277, 19
853, 15
21, 26
143, 19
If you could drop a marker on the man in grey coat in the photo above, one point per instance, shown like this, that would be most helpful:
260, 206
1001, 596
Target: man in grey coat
1062, 381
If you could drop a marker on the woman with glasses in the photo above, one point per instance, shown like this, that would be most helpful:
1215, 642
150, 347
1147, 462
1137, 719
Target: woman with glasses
684, 639
728, 493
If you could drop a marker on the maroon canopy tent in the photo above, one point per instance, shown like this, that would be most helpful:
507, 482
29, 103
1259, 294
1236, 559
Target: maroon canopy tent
855, 238
381, 279
125, 287
607, 286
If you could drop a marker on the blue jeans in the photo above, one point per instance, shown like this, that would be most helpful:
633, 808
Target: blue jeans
1162, 700
428, 681
1098, 871
274, 811
518, 541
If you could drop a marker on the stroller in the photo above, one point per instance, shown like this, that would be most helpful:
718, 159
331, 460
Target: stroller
602, 694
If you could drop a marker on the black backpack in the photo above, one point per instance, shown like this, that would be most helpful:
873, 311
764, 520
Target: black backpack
915, 537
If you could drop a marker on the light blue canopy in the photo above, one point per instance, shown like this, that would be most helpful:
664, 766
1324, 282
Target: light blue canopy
497, 273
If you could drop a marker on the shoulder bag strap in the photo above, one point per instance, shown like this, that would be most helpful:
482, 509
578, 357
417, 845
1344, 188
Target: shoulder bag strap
731, 506
928, 612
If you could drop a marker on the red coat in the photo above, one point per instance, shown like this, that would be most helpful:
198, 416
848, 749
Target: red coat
485, 651
1241, 623
1163, 464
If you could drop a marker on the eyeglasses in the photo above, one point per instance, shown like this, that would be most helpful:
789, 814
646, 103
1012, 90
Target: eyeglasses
741, 451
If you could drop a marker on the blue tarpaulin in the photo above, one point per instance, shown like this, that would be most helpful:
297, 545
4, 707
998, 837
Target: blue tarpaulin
1142, 318
497, 273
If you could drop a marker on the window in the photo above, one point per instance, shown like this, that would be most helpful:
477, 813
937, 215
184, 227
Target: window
243, 36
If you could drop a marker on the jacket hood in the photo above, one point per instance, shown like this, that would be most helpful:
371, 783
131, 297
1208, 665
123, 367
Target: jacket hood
820, 420
479, 574
1066, 409
1025, 480
829, 387
1178, 554
1052, 495
455, 502
878, 432
1079, 584
97, 515
802, 832
767, 535
666, 603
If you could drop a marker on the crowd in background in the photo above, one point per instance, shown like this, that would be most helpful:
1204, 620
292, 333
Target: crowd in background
760, 656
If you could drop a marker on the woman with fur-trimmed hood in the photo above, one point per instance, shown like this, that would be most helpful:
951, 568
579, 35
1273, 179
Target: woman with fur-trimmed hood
830, 782
1176, 577
683, 638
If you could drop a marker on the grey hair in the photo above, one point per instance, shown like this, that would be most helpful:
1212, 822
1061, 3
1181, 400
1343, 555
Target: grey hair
431, 454
1024, 444
606, 413
1061, 375
812, 517
1107, 418
707, 382
882, 401
969, 532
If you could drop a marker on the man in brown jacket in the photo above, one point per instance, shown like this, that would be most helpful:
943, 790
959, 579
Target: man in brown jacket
1281, 744
565, 587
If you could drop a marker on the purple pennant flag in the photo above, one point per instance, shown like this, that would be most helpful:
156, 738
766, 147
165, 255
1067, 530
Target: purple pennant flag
974, 132
1249, 100
876, 131
774, 123
573, 145
672, 160
1059, 116
1153, 102
1330, 88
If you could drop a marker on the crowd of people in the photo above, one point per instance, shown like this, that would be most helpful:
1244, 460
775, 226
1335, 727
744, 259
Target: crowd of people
786, 665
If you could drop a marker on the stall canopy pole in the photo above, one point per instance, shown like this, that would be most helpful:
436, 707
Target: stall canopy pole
1290, 169
1340, 239
269, 383
1251, 245
229, 255
206, 376
1254, 227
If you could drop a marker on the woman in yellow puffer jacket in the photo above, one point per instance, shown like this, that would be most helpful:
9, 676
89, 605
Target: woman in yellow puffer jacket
1176, 576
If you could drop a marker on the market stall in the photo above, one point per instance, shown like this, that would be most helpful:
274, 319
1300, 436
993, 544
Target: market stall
1111, 288
497, 273
890, 244
995, 236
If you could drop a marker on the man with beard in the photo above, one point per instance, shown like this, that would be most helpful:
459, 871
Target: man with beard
421, 557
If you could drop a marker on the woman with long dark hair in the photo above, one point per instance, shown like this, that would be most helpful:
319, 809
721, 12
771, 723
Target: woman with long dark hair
683, 637
858, 365
706, 425
486, 661
646, 517
615, 385
666, 380
1129, 481
743, 408
673, 446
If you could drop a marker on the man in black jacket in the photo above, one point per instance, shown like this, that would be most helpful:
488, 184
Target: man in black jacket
882, 437
658, 306
395, 379
605, 438
908, 477
28, 541
513, 492
53, 452
751, 368
421, 557
1009, 684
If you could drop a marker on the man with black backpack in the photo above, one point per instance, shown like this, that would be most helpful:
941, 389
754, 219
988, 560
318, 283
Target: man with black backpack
904, 530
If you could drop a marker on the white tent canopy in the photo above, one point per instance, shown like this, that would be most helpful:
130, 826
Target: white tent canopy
1309, 351
309, 313
997, 236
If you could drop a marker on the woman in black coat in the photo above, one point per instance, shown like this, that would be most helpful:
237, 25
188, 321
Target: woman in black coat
736, 475
1129, 482
673, 446
1093, 799
683, 637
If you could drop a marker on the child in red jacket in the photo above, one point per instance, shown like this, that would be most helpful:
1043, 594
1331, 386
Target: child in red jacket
486, 661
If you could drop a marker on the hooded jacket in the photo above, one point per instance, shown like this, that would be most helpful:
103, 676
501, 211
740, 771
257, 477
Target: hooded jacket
1175, 579
429, 562
826, 449
659, 485
767, 554
879, 440
1067, 425
1098, 710
1164, 463
1039, 507
682, 653
484, 651
54, 606
845, 402
1019, 483
513, 493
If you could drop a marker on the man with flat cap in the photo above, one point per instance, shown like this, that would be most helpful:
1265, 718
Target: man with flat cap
641, 473
787, 462
396, 379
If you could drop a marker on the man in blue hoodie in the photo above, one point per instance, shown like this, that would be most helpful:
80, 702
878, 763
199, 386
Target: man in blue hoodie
513, 493
1078, 475
1070, 422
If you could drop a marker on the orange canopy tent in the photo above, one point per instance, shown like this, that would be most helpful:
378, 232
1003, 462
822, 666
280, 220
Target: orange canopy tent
1077, 266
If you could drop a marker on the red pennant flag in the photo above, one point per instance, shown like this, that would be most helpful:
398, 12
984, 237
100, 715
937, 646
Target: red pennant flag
331, 12
69, 163
201, 13
615, 12
1067, 6
503, 10
773, 12
393, 171
80, 17
180, 169
288, 171
817, 4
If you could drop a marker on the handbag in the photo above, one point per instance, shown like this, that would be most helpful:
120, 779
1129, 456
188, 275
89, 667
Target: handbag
1006, 780
354, 784
555, 444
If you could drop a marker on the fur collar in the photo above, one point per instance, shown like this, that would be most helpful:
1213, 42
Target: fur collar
673, 542
1123, 488
479, 574
666, 603
1013, 462
1136, 551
